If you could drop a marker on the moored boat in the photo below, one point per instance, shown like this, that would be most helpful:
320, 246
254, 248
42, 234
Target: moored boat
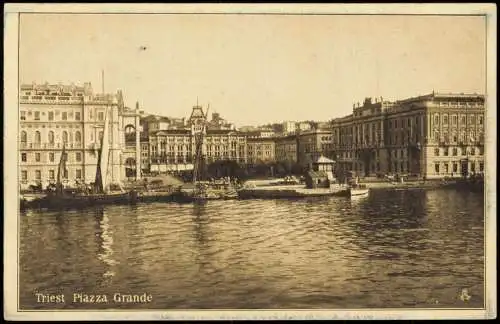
358, 191
60, 197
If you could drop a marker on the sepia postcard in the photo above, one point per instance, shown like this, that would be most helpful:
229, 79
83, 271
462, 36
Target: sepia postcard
239, 161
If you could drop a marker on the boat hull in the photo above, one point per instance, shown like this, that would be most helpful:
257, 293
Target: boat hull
82, 201
288, 193
358, 192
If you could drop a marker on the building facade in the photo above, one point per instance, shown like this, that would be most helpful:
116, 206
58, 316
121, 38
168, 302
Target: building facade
69, 116
286, 149
433, 136
312, 144
260, 150
172, 142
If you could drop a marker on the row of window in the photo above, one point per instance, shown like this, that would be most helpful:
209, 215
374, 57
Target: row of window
51, 115
457, 103
456, 169
455, 151
66, 137
39, 157
463, 120
51, 175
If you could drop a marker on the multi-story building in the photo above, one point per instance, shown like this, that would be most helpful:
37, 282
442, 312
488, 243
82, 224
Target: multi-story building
289, 127
260, 150
433, 136
312, 144
69, 116
172, 143
286, 149
443, 134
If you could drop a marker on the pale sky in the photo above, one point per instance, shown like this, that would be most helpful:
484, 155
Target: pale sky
256, 69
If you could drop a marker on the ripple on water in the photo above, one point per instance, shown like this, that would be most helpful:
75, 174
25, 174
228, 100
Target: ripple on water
315, 253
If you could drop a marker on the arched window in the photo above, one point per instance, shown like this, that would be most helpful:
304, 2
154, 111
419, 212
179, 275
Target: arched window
65, 137
51, 137
38, 137
78, 136
24, 137
129, 134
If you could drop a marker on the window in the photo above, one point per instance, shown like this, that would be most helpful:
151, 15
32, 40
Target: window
445, 120
64, 115
472, 119
51, 137
100, 116
436, 167
455, 138
101, 134
473, 166
51, 157
38, 137
37, 115
481, 151
446, 151
463, 120
446, 168
51, 115
436, 119
24, 157
38, 175
24, 175
24, 137
454, 120
78, 156
78, 173
472, 151
480, 120
65, 136
51, 175
37, 157
77, 115
455, 151
78, 136
23, 115
455, 167
481, 166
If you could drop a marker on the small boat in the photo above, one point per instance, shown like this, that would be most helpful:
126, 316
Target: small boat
30, 200
358, 190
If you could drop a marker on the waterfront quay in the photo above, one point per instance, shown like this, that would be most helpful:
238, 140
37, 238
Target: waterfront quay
435, 136
403, 249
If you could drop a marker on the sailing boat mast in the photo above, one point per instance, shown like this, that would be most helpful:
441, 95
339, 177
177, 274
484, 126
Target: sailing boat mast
103, 157
199, 136
61, 170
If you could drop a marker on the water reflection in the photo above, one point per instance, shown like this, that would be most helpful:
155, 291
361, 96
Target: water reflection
390, 249
105, 247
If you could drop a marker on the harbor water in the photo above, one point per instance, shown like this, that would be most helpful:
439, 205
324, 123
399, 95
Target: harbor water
392, 249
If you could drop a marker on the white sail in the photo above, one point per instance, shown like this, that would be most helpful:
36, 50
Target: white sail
105, 152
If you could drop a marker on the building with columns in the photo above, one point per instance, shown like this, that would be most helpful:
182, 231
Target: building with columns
434, 136
172, 142
53, 116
